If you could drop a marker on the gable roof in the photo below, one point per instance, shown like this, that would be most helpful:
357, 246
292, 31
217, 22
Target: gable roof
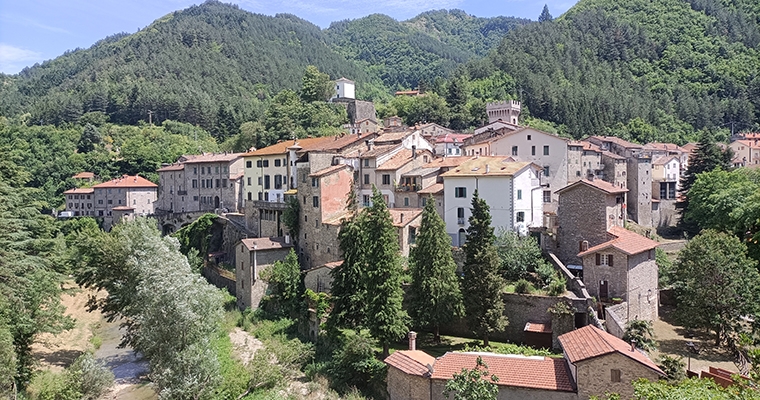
615, 140
127, 181
596, 184
404, 216
399, 159
80, 191
171, 167
534, 372
490, 166
591, 342
664, 159
412, 362
447, 162
624, 240
84, 175
209, 157
432, 189
670, 147
282, 147
328, 170
265, 243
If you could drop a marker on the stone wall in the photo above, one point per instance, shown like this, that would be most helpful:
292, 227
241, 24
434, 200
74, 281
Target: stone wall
402, 386
319, 279
615, 319
643, 286
505, 393
220, 278
594, 375
669, 216
581, 216
640, 190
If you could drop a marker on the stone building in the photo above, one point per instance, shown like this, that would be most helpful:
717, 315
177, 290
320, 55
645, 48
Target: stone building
80, 201
507, 111
594, 363
135, 192
201, 183
624, 267
252, 256
587, 210
319, 279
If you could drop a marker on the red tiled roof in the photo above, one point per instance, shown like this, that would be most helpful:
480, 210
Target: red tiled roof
664, 146
689, 147
412, 362
487, 166
79, 191
127, 181
266, 243
597, 184
328, 170
338, 143
399, 160
432, 189
451, 138
447, 162
512, 370
209, 157
624, 240
590, 342
585, 145
123, 208
403, 216
172, 167
663, 160
616, 140
282, 147
538, 327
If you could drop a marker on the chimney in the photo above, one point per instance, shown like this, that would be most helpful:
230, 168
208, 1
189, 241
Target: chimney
412, 340
414, 151
287, 238
633, 344
488, 169
369, 144
402, 218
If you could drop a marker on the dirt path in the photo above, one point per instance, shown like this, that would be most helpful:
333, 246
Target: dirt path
671, 340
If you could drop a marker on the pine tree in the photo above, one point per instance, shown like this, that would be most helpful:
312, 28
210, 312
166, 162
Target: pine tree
388, 321
348, 290
482, 282
545, 16
436, 298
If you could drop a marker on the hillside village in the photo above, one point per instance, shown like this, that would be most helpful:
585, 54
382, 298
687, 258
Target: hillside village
576, 198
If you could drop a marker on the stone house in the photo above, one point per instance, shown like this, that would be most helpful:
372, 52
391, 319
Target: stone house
407, 222
251, 256
80, 201
587, 210
201, 183
594, 363
624, 267
319, 279
135, 192
511, 189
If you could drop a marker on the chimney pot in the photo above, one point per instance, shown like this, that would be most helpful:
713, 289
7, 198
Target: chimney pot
412, 340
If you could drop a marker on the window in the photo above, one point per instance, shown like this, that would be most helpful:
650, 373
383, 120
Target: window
314, 182
406, 202
366, 162
259, 181
519, 194
218, 183
424, 201
460, 192
248, 164
266, 181
412, 235
546, 150
216, 169
460, 212
258, 164
577, 173
615, 375
277, 162
195, 171
266, 163
521, 216
100, 201
278, 181
547, 196
514, 150
365, 200
533, 150
546, 170
386, 179
250, 196
110, 201
315, 201
224, 182
366, 179
195, 198
304, 199
604, 259
528, 137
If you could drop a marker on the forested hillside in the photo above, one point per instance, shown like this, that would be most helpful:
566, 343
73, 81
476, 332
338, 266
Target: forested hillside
640, 69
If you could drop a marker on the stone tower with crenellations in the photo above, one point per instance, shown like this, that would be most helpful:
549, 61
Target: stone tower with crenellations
507, 111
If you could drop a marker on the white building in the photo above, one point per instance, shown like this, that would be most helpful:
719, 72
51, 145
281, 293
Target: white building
344, 88
511, 189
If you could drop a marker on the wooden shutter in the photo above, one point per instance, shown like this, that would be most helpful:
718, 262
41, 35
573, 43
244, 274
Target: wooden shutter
598, 259
609, 260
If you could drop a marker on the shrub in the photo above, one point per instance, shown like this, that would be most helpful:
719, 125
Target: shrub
557, 287
642, 332
546, 273
355, 365
672, 367
85, 379
524, 287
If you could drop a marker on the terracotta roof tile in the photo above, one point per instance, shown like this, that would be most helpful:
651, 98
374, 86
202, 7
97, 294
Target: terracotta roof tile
665, 147
597, 184
328, 170
79, 191
538, 327
172, 167
412, 362
127, 181
616, 140
663, 160
403, 216
624, 240
84, 175
589, 342
432, 189
339, 143
491, 166
451, 138
266, 243
401, 158
209, 157
512, 370
282, 147
447, 162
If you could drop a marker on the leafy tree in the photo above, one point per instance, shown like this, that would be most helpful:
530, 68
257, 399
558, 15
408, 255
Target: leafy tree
386, 319
286, 285
90, 138
353, 364
519, 255
642, 332
693, 388
316, 85
197, 235
715, 260
482, 283
473, 384
674, 368
349, 289
7, 360
545, 15
435, 296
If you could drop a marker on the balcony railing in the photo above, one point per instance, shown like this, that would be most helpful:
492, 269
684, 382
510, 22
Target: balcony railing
407, 187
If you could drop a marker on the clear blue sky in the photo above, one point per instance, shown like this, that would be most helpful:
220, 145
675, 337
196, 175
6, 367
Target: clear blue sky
32, 31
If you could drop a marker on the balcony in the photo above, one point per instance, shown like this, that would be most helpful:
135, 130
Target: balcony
407, 187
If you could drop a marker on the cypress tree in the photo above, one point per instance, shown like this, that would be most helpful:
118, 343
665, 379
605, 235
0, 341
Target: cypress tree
436, 298
348, 289
388, 321
545, 15
482, 282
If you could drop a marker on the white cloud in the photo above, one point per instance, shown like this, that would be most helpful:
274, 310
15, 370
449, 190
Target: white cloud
14, 59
